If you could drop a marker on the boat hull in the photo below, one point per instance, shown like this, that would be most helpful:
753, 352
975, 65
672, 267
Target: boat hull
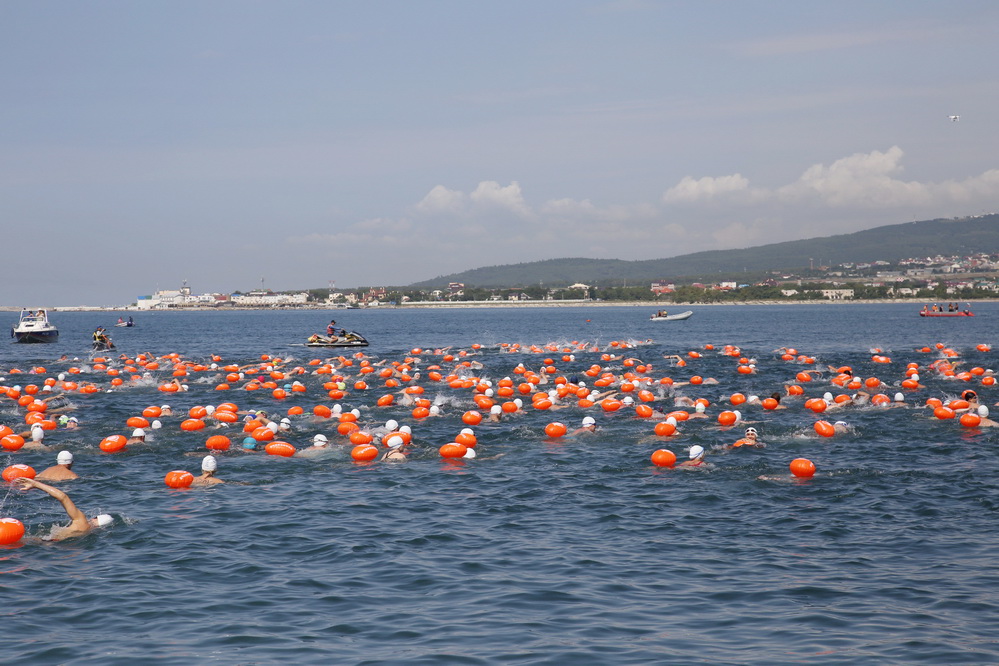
31, 337
946, 314
677, 317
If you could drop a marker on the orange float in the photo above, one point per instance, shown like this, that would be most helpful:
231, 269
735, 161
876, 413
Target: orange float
364, 453
665, 429
18, 471
727, 418
663, 458
555, 429
473, 417
453, 450
218, 443
11, 442
191, 425
282, 449
802, 468
824, 428
113, 443
970, 420
179, 478
11, 531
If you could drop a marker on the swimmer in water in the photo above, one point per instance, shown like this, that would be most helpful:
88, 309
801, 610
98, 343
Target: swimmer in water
61, 471
397, 449
696, 457
208, 466
751, 439
80, 524
588, 425
138, 437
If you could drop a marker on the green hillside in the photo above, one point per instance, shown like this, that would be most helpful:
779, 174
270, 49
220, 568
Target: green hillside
889, 243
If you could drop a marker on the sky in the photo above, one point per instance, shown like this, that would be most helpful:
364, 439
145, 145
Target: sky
291, 145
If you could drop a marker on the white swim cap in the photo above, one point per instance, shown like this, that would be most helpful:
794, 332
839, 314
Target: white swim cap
46, 388
337, 408
104, 520
588, 421
983, 411
319, 440
696, 451
751, 431
738, 415
435, 410
840, 423
753, 398
273, 427
519, 403
629, 400
671, 420
406, 429
469, 453
899, 397
138, 432
286, 420
466, 431
488, 393
827, 396
209, 464
699, 408
64, 458
914, 377
209, 409
391, 425
495, 409
37, 433
61, 376
165, 407
156, 425
356, 412
394, 441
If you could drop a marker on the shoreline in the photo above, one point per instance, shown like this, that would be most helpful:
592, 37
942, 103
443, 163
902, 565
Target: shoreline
513, 304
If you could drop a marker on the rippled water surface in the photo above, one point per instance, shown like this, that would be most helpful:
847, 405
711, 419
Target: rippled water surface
567, 551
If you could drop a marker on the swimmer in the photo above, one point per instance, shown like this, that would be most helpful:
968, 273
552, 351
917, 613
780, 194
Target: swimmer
61, 471
165, 410
699, 411
750, 439
396, 452
696, 457
320, 445
496, 413
138, 437
777, 396
986, 422
80, 524
841, 427
589, 424
208, 466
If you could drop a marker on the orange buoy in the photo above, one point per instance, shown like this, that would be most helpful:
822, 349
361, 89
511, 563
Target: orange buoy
11, 531
453, 450
218, 443
322, 411
665, 429
737, 399
113, 443
358, 437
191, 425
770, 403
473, 417
364, 452
152, 412
283, 449
137, 422
18, 471
385, 400
663, 458
802, 468
12, 442
555, 429
179, 478
467, 438
727, 418
262, 434
643, 411
971, 420
943, 413
824, 428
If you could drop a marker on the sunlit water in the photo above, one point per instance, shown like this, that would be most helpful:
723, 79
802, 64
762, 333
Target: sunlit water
569, 551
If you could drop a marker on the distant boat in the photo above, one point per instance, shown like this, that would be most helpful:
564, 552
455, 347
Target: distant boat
924, 313
671, 317
348, 339
34, 326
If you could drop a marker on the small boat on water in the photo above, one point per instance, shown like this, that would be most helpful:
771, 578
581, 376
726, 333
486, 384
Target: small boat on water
663, 316
967, 313
34, 326
347, 339
126, 324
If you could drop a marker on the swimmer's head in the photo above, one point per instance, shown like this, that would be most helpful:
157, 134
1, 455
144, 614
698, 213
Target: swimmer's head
320, 440
589, 421
391, 425
899, 397
841, 424
751, 432
156, 425
138, 432
103, 520
249, 443
983, 411
627, 400
434, 410
696, 451
63, 420
394, 442
469, 453
37, 433
969, 395
209, 464
495, 409
700, 408
64, 458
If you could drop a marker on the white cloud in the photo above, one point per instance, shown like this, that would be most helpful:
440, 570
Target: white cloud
491, 193
442, 200
689, 190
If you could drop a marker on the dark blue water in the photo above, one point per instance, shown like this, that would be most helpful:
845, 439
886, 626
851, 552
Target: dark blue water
570, 551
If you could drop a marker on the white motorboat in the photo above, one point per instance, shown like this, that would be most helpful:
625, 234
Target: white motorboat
34, 326
663, 316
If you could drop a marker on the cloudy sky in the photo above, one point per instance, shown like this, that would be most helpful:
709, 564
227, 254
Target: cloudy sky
230, 142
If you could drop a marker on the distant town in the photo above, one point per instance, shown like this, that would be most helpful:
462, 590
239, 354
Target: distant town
929, 278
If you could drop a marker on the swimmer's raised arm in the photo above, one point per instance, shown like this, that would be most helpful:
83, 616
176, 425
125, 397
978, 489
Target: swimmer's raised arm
74, 513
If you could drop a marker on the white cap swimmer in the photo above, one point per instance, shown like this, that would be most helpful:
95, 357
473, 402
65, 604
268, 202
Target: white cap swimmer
899, 397
138, 432
391, 425
394, 442
64, 458
209, 464
103, 520
495, 409
319, 440
983, 411
700, 408
469, 453
588, 421
156, 425
696, 451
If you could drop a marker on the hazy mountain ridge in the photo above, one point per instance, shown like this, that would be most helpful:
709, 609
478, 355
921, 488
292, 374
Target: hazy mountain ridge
925, 238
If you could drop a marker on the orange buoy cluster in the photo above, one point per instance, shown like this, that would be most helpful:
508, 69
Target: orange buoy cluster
340, 398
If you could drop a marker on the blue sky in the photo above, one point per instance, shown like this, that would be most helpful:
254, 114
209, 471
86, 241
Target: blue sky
383, 143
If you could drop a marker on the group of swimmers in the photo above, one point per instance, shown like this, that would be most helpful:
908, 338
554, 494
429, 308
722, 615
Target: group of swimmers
618, 384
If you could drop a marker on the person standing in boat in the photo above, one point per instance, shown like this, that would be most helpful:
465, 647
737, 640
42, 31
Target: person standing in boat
331, 329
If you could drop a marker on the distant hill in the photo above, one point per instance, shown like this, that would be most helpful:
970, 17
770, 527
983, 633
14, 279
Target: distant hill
928, 238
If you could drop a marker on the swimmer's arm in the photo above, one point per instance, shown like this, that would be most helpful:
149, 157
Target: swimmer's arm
67, 504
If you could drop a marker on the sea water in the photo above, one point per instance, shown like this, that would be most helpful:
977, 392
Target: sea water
567, 551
